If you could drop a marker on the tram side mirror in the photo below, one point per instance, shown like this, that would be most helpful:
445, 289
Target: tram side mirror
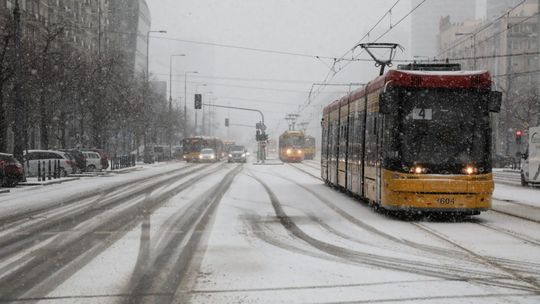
386, 100
495, 99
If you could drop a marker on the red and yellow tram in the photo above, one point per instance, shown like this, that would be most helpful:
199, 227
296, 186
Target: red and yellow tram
414, 141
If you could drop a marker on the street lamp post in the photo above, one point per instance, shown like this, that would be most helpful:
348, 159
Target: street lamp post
170, 76
148, 52
170, 99
185, 100
147, 80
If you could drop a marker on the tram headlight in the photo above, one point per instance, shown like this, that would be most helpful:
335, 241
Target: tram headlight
230, 155
289, 151
200, 156
298, 151
470, 170
418, 170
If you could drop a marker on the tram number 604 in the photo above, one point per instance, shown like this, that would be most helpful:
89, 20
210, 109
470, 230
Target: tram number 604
445, 200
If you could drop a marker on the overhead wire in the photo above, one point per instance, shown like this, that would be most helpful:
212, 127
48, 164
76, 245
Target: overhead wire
481, 29
331, 75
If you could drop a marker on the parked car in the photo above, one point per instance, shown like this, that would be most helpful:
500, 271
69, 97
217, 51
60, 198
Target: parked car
237, 154
11, 170
93, 161
104, 157
67, 163
207, 155
79, 158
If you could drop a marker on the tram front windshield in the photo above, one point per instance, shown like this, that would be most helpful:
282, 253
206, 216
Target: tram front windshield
444, 129
296, 141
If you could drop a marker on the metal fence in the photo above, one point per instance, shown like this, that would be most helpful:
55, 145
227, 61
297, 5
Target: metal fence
122, 161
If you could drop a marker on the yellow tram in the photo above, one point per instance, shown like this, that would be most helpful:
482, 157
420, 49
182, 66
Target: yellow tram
309, 147
414, 141
291, 146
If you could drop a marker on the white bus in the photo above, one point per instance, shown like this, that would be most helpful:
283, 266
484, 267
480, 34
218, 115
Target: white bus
530, 170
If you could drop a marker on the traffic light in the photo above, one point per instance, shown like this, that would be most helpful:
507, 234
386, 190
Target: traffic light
198, 101
258, 135
518, 137
226, 122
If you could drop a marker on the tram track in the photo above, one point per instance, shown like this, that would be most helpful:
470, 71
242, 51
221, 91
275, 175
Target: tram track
44, 268
489, 262
511, 233
447, 253
394, 263
524, 218
311, 165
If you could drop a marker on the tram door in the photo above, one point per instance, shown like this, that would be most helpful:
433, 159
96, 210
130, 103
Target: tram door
378, 165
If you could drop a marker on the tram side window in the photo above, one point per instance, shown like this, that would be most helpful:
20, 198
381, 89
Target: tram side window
342, 140
371, 139
323, 141
358, 137
350, 139
335, 140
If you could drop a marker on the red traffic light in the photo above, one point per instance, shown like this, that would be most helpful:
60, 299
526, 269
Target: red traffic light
519, 133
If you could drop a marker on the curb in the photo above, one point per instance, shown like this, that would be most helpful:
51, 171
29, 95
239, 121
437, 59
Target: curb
125, 170
51, 182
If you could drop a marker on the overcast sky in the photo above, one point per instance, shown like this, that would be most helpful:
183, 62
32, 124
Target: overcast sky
274, 83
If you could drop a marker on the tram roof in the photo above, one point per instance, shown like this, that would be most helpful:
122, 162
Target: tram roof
418, 79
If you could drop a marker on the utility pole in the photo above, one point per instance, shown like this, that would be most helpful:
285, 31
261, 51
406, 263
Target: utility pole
303, 126
99, 28
291, 119
19, 126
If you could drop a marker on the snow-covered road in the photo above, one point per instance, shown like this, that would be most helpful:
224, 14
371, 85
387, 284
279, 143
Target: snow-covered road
230, 233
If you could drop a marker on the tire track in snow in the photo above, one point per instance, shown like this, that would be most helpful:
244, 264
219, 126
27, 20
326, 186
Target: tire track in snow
392, 263
487, 261
15, 218
167, 266
56, 262
35, 231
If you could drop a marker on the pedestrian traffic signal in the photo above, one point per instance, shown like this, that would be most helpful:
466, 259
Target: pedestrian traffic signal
198, 101
518, 137
226, 122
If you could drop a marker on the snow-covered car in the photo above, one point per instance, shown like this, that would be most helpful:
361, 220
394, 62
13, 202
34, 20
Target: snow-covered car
93, 161
33, 157
237, 154
207, 155
11, 171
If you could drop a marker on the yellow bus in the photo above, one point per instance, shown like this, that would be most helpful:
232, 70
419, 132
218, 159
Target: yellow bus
192, 146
